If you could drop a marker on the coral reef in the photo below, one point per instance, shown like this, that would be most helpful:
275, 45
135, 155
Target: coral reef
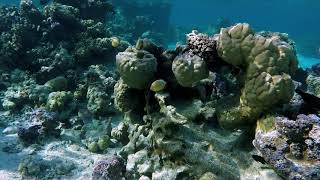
78, 101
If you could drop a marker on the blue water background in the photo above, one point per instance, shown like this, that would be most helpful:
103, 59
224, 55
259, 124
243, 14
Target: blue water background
299, 18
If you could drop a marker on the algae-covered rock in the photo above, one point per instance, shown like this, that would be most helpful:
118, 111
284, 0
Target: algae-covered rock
99, 90
24, 91
64, 14
96, 135
110, 168
189, 70
136, 67
104, 142
268, 63
30, 167
39, 125
126, 98
313, 83
291, 147
92, 50
98, 101
121, 133
59, 83
36, 167
58, 101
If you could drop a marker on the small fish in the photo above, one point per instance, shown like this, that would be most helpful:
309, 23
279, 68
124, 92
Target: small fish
158, 85
259, 159
115, 42
311, 101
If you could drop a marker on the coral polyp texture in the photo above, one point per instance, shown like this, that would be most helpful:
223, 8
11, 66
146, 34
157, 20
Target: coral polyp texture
267, 63
136, 67
189, 70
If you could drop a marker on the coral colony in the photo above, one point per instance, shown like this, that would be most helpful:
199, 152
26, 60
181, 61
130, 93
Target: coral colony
83, 97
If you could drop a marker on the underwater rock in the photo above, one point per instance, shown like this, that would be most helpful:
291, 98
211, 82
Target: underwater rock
100, 81
291, 147
139, 163
121, 133
136, 67
30, 167
111, 168
37, 167
91, 50
59, 83
96, 135
58, 101
90, 9
24, 91
30, 134
316, 69
63, 14
29, 10
98, 101
148, 45
189, 70
313, 84
40, 124
267, 83
50, 62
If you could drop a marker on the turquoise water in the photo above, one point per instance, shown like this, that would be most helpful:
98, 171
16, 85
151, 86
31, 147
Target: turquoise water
306, 62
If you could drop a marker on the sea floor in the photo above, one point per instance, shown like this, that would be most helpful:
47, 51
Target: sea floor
66, 155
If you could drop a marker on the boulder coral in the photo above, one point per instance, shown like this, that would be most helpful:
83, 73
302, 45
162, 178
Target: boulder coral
137, 68
189, 70
267, 63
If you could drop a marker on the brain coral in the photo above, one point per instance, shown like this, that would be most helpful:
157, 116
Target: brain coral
136, 67
267, 63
